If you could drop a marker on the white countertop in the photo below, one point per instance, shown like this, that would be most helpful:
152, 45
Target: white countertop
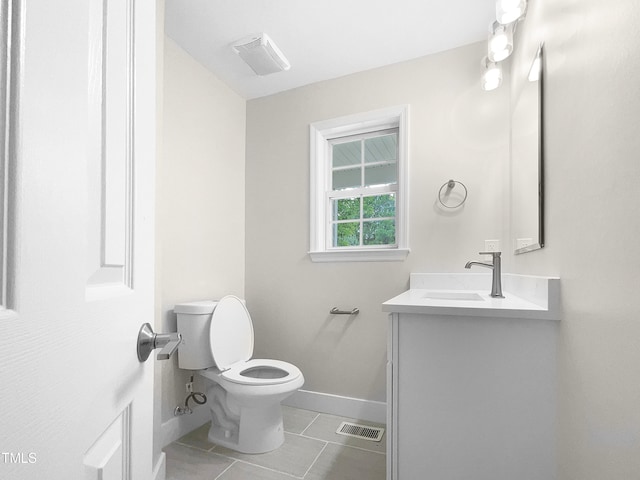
525, 296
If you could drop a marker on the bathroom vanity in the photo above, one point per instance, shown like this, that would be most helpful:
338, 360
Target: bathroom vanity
471, 379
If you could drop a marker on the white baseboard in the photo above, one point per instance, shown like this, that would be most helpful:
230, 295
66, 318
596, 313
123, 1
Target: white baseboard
176, 427
356, 408
160, 468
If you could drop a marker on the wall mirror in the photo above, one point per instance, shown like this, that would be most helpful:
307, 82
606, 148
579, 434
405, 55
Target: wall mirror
527, 185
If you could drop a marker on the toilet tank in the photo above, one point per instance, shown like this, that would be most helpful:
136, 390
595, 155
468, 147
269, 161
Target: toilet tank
194, 319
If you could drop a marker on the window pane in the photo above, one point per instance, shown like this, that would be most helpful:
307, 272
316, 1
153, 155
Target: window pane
380, 175
378, 206
380, 232
381, 149
346, 234
345, 154
346, 208
346, 178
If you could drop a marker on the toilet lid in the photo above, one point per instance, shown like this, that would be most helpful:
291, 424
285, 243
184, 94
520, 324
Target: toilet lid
230, 333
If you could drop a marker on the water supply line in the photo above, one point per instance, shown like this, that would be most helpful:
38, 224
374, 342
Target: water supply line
198, 397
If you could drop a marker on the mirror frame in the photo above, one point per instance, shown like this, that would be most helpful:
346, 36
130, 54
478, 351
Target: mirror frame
539, 58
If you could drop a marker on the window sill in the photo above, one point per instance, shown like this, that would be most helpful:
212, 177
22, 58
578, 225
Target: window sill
373, 255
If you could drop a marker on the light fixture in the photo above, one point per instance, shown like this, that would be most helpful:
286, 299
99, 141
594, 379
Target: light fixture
500, 42
261, 54
508, 11
491, 75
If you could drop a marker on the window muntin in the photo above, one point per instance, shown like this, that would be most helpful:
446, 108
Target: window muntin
363, 190
364, 221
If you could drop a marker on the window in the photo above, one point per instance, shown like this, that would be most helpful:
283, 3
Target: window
359, 187
362, 194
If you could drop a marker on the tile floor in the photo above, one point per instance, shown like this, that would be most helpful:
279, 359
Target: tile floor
311, 451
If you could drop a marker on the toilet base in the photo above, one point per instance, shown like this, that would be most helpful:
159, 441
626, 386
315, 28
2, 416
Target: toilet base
248, 418
260, 430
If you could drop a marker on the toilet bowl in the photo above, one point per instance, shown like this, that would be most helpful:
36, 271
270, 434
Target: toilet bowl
244, 394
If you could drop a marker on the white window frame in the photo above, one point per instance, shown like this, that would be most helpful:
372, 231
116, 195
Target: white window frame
320, 183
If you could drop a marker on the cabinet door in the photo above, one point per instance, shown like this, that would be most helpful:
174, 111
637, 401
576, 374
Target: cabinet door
475, 398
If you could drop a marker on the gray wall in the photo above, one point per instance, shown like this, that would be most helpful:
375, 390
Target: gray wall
456, 131
200, 200
592, 145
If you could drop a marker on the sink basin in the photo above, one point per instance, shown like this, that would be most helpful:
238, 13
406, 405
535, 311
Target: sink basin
442, 295
467, 294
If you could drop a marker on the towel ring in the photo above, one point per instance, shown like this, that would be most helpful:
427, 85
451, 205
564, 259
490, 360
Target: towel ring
450, 186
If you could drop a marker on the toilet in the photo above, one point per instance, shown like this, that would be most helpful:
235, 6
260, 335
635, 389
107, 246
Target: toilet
243, 394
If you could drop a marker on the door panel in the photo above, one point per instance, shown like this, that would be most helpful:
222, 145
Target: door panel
110, 456
111, 32
77, 403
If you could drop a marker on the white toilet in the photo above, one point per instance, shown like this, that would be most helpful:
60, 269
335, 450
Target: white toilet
217, 340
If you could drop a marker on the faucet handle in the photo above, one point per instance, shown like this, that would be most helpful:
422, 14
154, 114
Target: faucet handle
494, 254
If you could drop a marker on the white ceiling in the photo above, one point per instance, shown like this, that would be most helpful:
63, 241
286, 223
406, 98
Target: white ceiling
322, 39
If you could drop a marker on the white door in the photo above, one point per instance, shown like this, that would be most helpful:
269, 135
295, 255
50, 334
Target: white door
77, 241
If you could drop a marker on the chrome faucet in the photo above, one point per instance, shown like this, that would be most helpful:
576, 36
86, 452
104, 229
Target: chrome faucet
496, 267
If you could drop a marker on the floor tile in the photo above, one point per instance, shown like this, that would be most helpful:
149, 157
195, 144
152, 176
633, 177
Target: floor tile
324, 428
245, 471
186, 463
312, 450
346, 463
294, 457
296, 420
198, 438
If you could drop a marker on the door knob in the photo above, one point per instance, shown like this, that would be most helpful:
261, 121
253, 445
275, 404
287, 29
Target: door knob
148, 341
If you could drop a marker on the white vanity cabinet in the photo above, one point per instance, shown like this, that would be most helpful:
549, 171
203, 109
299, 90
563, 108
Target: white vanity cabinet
472, 383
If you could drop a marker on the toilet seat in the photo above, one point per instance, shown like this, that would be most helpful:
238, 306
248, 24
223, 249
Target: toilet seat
231, 342
261, 372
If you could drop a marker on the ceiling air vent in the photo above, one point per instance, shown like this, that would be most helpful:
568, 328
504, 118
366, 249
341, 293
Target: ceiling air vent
364, 432
261, 54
